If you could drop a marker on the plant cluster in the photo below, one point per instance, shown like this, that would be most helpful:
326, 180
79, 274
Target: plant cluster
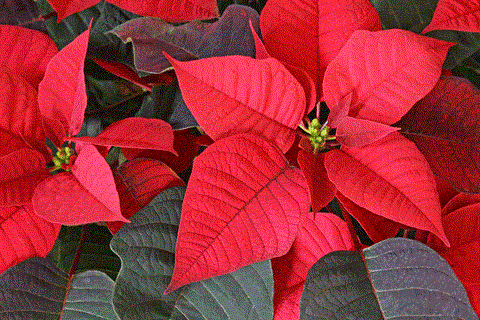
204, 159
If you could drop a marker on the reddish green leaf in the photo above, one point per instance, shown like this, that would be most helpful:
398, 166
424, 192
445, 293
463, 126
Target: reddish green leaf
26, 52
387, 72
23, 235
191, 9
235, 94
243, 205
462, 222
377, 227
444, 126
322, 191
138, 182
20, 118
309, 34
320, 234
460, 15
138, 133
229, 35
62, 96
390, 178
20, 172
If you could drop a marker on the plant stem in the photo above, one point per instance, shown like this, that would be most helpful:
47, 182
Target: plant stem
81, 244
351, 228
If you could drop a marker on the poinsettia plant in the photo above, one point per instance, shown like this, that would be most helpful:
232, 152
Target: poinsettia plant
283, 160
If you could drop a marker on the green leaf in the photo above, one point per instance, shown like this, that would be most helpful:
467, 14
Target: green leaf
410, 15
69, 28
37, 289
396, 278
467, 44
146, 247
255, 4
96, 253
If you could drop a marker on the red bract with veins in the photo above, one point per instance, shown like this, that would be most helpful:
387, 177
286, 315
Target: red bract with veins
369, 79
76, 185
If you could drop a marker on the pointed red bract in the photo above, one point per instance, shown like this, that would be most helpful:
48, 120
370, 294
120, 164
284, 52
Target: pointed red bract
387, 72
62, 96
377, 227
235, 94
444, 127
20, 119
168, 11
322, 190
62, 199
26, 52
309, 34
390, 178
461, 221
353, 132
94, 174
20, 172
460, 15
320, 234
243, 205
140, 133
23, 235
123, 71
138, 182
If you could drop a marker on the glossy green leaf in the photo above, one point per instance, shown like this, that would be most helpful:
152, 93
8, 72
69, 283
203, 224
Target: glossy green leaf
147, 250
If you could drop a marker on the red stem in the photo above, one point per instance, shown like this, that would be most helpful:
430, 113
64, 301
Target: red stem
81, 244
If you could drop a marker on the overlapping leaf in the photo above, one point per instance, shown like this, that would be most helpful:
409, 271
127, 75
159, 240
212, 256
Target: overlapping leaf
147, 266
377, 227
138, 133
235, 94
191, 9
444, 126
138, 181
230, 35
461, 220
28, 58
85, 195
23, 235
184, 141
461, 15
309, 34
243, 205
396, 278
398, 185
320, 234
37, 289
387, 72
62, 96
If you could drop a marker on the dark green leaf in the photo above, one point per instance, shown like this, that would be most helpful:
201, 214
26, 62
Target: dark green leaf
23, 13
254, 4
467, 44
96, 253
37, 289
147, 249
410, 15
397, 278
